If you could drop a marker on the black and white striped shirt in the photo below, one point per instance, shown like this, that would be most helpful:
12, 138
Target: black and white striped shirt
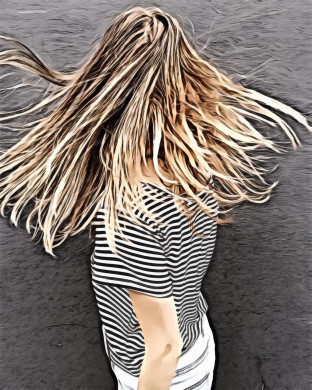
159, 261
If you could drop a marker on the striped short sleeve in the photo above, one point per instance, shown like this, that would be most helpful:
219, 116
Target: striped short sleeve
140, 263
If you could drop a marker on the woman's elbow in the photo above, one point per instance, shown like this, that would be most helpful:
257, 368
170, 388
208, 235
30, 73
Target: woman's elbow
156, 349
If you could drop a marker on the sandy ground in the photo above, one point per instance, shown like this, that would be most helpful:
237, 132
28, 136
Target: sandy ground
257, 285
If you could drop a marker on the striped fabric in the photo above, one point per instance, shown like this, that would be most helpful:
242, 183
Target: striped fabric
159, 261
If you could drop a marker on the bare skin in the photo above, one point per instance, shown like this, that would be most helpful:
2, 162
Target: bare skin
159, 323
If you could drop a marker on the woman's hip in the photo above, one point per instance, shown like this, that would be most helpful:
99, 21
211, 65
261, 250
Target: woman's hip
194, 369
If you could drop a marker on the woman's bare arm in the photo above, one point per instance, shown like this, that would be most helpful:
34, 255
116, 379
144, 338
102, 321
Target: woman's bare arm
163, 342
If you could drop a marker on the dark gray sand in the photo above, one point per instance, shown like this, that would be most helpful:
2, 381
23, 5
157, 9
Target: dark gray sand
257, 284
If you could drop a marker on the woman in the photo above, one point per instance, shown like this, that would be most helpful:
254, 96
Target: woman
151, 143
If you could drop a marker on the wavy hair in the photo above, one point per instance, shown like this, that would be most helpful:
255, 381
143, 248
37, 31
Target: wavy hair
144, 88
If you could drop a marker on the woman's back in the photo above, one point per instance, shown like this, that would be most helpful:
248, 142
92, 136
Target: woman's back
159, 261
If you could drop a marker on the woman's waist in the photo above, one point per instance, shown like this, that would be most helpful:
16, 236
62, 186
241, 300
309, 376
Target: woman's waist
199, 349
192, 358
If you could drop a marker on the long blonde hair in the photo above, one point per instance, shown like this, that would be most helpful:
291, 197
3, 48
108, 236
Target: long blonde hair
144, 87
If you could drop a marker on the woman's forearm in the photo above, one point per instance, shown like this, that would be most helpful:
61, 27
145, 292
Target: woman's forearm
157, 372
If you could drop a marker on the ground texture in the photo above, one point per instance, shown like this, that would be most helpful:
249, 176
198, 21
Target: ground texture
257, 285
